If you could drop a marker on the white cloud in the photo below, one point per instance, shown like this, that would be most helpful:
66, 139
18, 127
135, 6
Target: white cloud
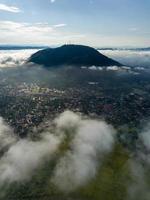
35, 33
60, 25
43, 33
7, 8
26, 27
92, 139
129, 57
145, 137
14, 168
23, 156
6, 136
14, 58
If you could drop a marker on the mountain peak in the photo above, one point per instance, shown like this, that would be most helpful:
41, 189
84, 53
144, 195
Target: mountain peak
70, 54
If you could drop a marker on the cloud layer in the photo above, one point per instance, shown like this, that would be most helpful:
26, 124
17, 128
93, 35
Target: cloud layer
88, 141
130, 57
140, 59
13, 58
8, 8
92, 140
13, 32
7, 137
23, 156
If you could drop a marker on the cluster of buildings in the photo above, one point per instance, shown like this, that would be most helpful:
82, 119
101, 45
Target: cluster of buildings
26, 106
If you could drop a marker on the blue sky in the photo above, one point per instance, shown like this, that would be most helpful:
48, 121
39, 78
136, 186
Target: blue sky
92, 22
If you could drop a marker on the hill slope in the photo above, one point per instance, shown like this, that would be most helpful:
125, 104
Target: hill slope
77, 55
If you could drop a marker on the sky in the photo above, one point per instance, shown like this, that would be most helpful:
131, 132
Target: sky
100, 23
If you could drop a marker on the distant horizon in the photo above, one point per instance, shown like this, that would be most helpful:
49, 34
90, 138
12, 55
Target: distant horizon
58, 45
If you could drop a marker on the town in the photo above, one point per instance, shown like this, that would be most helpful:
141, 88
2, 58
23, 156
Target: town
25, 106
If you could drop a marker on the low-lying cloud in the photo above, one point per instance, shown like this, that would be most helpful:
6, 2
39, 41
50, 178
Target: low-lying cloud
88, 141
13, 58
138, 188
129, 57
23, 156
145, 136
108, 68
92, 140
139, 168
85, 144
7, 138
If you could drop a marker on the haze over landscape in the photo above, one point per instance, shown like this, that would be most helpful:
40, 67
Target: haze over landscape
74, 100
